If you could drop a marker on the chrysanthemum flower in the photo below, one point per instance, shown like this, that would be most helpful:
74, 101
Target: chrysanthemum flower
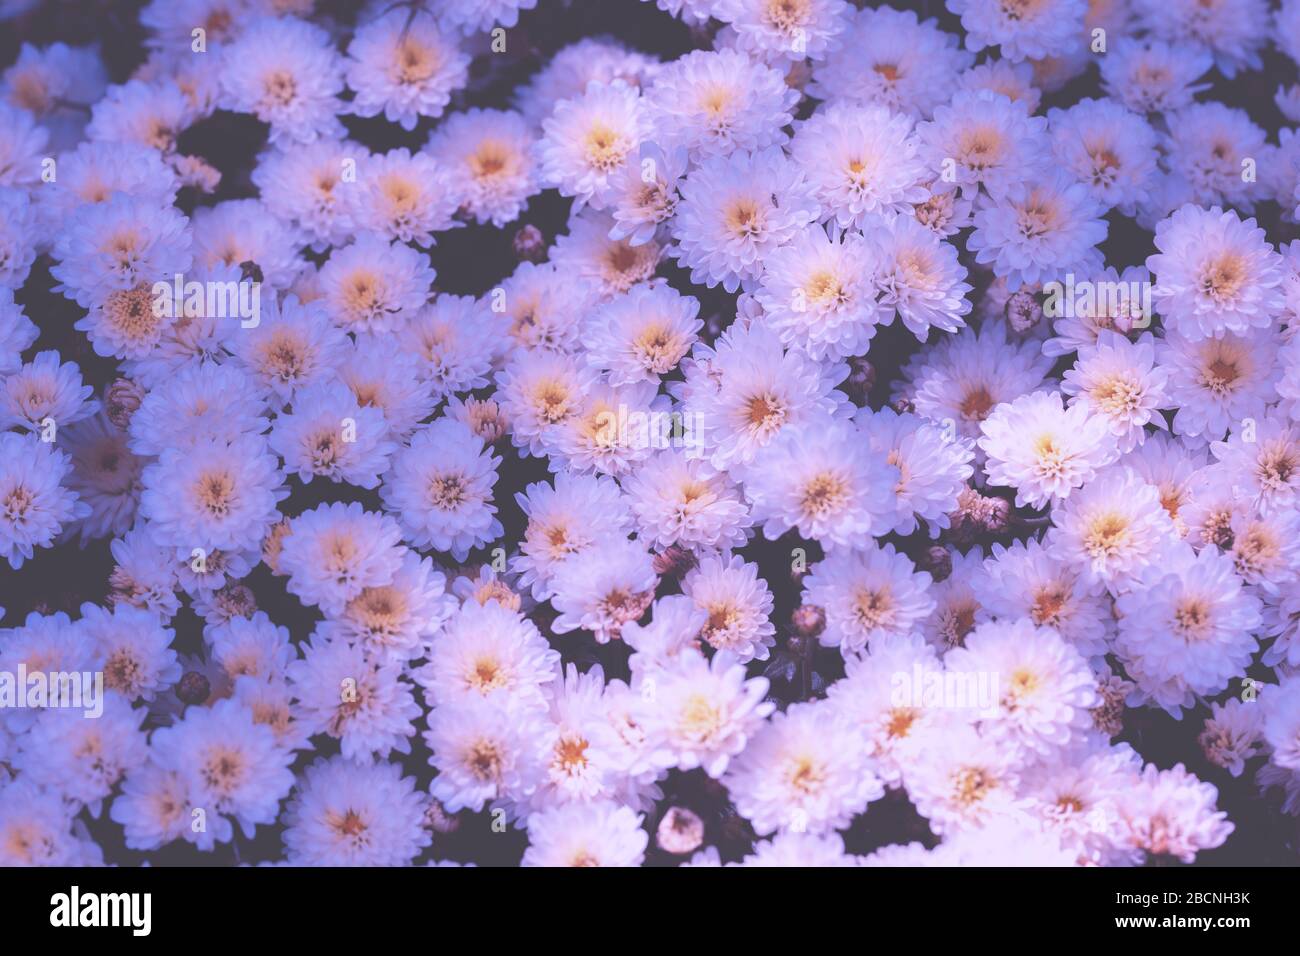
712, 103
1152, 76
345, 815
603, 588
105, 476
375, 286
491, 155
1217, 383
328, 434
230, 766
1214, 274
1171, 813
293, 346
404, 196
678, 499
484, 749
1119, 380
819, 293
804, 770
34, 506
360, 702
643, 334
1232, 31
335, 551
737, 603
983, 140
590, 138
891, 57
19, 233
919, 277
476, 16
823, 483
285, 72
1027, 581
440, 486
404, 67
44, 391
612, 266
1209, 148
602, 833
1044, 450
1111, 529
1107, 148
870, 595
1031, 30
213, 495
308, 185
540, 392
566, 519
736, 211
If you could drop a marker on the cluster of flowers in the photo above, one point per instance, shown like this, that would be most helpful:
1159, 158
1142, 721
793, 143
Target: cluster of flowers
838, 168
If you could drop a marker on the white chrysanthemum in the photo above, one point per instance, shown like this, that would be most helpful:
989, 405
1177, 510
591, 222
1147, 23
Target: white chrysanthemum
712, 103
405, 197
294, 345
285, 72
230, 766
792, 848
1151, 76
805, 770
1045, 688
1217, 383
1263, 461
1107, 148
962, 378
375, 286
1108, 301
404, 67
737, 603
891, 57
1172, 813
1051, 230
984, 140
1022, 31
1111, 529
678, 499
440, 486
615, 428
735, 211
241, 230
870, 595
23, 147
83, 759
888, 722
1266, 550
345, 815
603, 588
252, 647
34, 507
1231, 30
363, 704
392, 621
643, 334
213, 495
152, 114
643, 195
335, 551
485, 749
327, 434
134, 650
567, 519
1044, 450
1119, 381
1026, 581
747, 389
308, 186
602, 833
571, 69
455, 339
205, 401
45, 391
390, 382
143, 575
703, 712
485, 649
961, 779
540, 392
933, 467
589, 253
1015, 81
544, 306
589, 138
153, 807
120, 245
957, 605
822, 482
861, 160
1214, 274
819, 293
1232, 734
19, 235
919, 278
491, 155
476, 16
